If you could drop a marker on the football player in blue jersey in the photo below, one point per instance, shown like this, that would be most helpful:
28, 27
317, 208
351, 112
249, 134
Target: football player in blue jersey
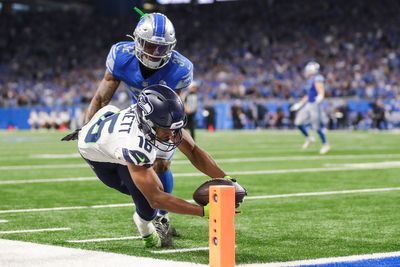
148, 59
310, 107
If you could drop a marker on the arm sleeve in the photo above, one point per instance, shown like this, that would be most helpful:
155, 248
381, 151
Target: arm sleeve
186, 79
137, 157
112, 55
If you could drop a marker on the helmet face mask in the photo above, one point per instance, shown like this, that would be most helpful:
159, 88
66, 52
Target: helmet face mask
161, 117
154, 40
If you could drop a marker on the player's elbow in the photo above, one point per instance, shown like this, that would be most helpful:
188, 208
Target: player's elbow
156, 203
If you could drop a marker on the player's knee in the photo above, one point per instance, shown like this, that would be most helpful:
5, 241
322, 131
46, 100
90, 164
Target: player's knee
161, 165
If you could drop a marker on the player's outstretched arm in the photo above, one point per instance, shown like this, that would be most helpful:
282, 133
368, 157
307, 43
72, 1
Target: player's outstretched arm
103, 95
150, 185
200, 158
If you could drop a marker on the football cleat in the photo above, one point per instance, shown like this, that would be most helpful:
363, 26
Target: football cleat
152, 241
163, 230
310, 140
324, 149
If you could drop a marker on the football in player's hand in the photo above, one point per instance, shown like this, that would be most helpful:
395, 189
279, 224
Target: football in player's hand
201, 193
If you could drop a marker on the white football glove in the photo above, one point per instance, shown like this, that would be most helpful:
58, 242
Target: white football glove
296, 106
319, 99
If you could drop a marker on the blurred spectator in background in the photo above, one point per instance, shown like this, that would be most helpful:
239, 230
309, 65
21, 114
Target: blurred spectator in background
378, 115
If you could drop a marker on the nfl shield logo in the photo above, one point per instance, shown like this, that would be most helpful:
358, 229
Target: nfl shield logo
162, 82
145, 84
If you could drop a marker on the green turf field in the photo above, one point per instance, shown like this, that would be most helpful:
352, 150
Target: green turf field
277, 228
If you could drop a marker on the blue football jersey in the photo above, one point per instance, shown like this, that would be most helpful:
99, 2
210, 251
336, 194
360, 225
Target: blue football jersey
123, 65
312, 90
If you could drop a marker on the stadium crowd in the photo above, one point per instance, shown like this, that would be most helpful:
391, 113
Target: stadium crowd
254, 51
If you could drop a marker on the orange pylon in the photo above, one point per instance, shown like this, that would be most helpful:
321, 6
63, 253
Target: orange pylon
221, 226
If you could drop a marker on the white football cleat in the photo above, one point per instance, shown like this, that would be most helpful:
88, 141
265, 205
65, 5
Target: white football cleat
308, 142
324, 149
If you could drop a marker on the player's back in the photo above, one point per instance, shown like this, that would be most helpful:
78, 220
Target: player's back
114, 136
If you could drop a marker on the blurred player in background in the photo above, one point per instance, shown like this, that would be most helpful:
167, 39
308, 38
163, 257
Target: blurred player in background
147, 60
310, 107
191, 102
121, 147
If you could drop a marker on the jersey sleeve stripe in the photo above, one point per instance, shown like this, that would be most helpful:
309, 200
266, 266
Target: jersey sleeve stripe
111, 59
127, 156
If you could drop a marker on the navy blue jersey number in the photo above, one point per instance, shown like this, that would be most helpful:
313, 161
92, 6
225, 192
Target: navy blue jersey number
94, 132
143, 143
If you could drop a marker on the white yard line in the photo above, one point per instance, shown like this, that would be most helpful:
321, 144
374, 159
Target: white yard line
104, 239
34, 231
374, 190
230, 160
355, 191
55, 156
22, 254
52, 180
352, 258
3, 221
69, 208
36, 167
182, 250
344, 167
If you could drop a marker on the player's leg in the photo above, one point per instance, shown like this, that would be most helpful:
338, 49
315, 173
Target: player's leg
301, 121
145, 214
162, 168
317, 119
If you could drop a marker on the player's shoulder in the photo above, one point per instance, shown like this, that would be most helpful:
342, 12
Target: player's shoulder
181, 70
319, 78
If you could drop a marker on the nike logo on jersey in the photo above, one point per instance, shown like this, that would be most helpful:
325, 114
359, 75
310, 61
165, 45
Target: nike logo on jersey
139, 157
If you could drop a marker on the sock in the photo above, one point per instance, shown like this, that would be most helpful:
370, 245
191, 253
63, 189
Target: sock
322, 135
167, 179
144, 227
303, 130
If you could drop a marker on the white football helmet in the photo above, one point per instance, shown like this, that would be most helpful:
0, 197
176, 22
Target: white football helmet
311, 68
154, 40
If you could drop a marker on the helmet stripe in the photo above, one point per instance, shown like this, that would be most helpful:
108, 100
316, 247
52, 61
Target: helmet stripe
159, 25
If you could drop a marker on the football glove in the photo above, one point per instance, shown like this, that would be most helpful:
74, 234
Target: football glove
71, 136
296, 106
206, 211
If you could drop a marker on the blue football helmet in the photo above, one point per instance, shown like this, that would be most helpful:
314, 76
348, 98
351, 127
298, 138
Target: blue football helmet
155, 39
160, 107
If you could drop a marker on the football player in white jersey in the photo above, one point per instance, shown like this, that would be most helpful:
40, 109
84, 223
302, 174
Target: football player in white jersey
121, 147
148, 59
310, 107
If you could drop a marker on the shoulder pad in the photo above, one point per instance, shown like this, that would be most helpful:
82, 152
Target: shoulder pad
319, 78
119, 55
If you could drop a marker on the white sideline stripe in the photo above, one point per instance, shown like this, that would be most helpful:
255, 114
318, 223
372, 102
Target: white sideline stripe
230, 160
169, 251
34, 230
327, 260
3, 221
360, 166
22, 254
247, 198
104, 239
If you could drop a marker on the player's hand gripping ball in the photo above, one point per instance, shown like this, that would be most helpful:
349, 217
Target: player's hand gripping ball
201, 194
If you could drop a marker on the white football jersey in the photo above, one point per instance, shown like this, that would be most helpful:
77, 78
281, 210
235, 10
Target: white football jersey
113, 135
